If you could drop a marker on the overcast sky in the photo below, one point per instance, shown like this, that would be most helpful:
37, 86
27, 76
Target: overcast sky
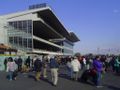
95, 22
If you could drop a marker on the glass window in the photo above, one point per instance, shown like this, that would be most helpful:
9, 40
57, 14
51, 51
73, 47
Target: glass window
11, 40
24, 26
25, 42
16, 40
68, 45
15, 24
20, 41
29, 43
68, 51
11, 23
20, 25
29, 26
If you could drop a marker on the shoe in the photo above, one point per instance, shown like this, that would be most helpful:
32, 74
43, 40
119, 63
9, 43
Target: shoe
15, 78
54, 85
45, 76
99, 86
10, 80
37, 80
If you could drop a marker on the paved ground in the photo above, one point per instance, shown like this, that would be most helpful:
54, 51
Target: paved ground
27, 82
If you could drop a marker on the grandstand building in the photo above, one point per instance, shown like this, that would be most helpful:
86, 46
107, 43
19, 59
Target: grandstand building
36, 30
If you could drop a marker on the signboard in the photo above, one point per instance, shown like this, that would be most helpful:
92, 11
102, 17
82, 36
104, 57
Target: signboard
2, 58
37, 6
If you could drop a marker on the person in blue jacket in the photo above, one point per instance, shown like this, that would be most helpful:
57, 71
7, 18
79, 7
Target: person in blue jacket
97, 65
54, 70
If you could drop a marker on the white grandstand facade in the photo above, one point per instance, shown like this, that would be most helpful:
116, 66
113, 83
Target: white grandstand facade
36, 30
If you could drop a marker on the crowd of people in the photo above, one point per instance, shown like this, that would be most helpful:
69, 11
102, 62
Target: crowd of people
38, 64
92, 67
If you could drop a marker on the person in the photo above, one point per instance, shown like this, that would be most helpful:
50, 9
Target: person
27, 63
28, 60
11, 67
88, 63
84, 62
19, 62
15, 73
112, 62
75, 64
107, 63
33, 61
97, 65
69, 68
54, 70
117, 65
44, 66
81, 62
38, 68
5, 63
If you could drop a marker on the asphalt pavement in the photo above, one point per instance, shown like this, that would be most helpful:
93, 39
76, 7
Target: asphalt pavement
25, 81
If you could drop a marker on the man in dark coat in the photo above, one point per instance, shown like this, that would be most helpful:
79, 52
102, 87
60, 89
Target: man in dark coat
19, 62
28, 61
38, 68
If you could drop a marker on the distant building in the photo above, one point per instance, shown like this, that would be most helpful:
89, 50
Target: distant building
36, 30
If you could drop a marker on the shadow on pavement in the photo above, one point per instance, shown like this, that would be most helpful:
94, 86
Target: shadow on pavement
112, 87
88, 82
32, 77
79, 80
65, 76
46, 80
43, 79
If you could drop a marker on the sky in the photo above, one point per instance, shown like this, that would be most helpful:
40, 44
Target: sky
95, 22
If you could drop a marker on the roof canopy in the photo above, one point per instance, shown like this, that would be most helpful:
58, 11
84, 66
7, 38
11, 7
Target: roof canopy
49, 17
6, 48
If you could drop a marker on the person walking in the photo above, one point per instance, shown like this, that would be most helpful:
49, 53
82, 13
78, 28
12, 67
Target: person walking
38, 68
54, 70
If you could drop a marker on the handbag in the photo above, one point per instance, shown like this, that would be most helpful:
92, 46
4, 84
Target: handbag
15, 73
93, 71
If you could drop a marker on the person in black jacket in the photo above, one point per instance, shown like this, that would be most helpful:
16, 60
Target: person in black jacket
19, 62
38, 68
28, 61
5, 63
